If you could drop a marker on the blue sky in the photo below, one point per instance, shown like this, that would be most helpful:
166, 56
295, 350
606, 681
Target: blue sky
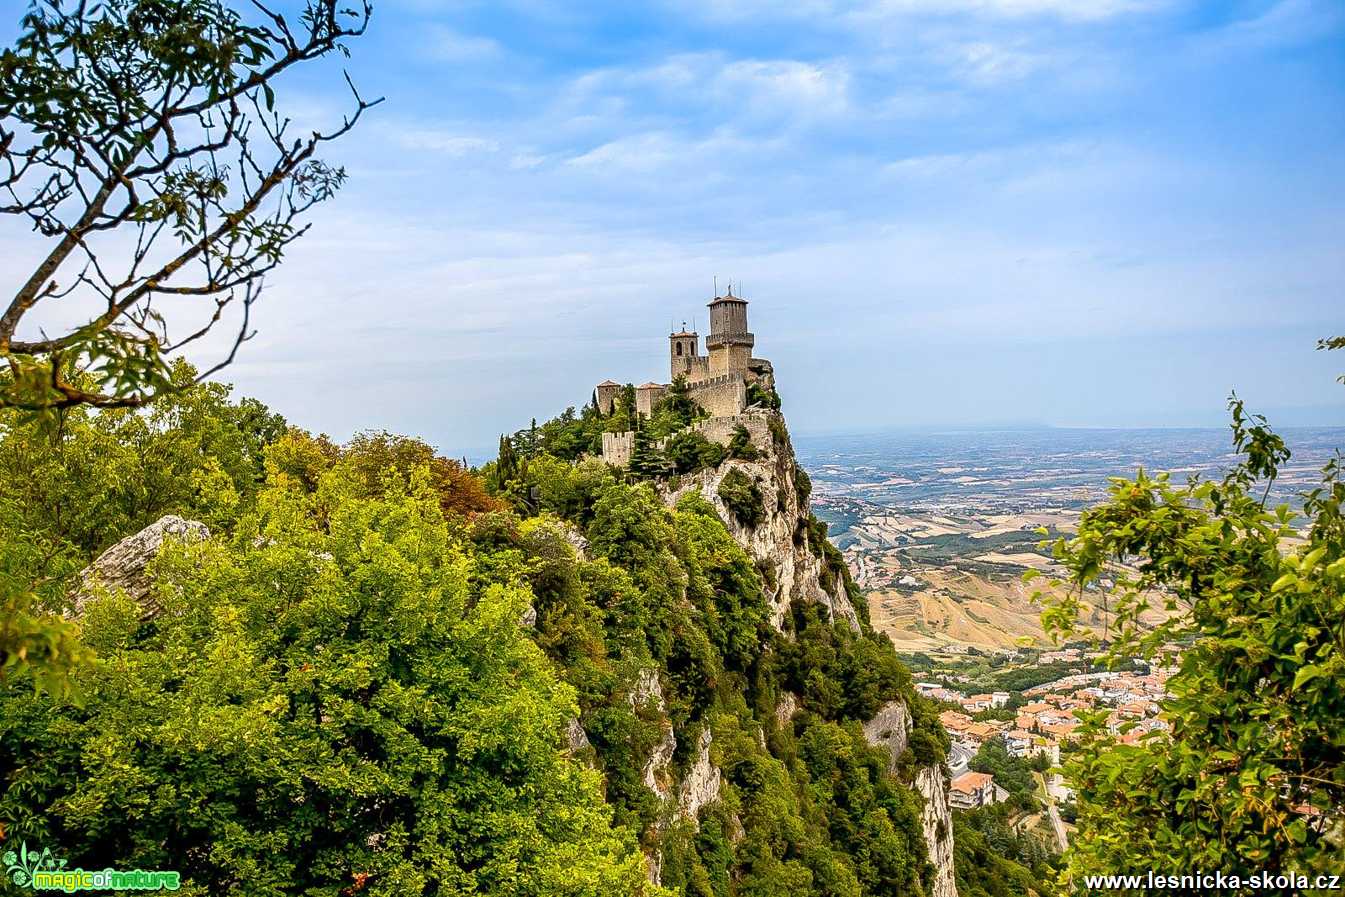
946, 212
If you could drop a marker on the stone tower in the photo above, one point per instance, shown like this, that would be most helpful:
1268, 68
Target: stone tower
607, 391
684, 352
730, 342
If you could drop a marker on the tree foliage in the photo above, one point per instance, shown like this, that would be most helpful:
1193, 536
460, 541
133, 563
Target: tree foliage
140, 139
742, 496
339, 696
332, 696
1252, 776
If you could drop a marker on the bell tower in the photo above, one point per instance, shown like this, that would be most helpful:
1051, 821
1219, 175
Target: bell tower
684, 351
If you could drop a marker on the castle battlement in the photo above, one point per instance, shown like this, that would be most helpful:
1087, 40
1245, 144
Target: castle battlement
617, 448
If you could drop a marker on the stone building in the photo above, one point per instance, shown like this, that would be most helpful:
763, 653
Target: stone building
718, 379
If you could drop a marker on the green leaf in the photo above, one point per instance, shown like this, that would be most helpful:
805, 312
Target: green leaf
1307, 674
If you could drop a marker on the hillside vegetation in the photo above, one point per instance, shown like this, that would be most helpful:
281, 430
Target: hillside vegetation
375, 676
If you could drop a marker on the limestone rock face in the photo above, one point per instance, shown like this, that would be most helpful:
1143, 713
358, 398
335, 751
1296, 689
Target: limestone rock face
647, 689
936, 820
785, 709
795, 572
576, 739
890, 728
125, 565
657, 772
700, 786
528, 619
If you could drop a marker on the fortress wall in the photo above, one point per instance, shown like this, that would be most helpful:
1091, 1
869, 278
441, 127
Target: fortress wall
720, 429
722, 396
617, 448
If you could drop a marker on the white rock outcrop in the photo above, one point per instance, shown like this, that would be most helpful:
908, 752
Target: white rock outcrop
576, 739
936, 820
890, 728
785, 708
657, 772
125, 566
700, 786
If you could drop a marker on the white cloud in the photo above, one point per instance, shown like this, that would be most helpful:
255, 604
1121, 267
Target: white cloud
799, 87
449, 144
987, 64
696, 84
447, 45
648, 152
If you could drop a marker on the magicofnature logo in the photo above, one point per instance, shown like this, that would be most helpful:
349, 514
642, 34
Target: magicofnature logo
44, 871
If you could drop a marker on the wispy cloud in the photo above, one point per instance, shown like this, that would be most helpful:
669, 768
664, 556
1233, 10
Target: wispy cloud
1284, 23
446, 143
447, 45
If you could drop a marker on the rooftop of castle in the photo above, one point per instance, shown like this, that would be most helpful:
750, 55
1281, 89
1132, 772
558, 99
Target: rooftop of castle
728, 297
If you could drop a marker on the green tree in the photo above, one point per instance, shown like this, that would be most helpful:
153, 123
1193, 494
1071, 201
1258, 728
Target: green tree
689, 451
740, 445
140, 139
1013, 774
74, 480
332, 700
1252, 774
646, 460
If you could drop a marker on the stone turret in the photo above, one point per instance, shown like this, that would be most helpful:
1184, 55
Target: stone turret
730, 342
607, 392
648, 395
684, 353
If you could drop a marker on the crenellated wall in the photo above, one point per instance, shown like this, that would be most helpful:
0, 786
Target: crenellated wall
617, 448
722, 396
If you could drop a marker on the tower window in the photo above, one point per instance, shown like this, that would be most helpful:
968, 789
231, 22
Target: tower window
679, 348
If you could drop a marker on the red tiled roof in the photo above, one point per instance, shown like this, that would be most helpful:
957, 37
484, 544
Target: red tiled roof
972, 781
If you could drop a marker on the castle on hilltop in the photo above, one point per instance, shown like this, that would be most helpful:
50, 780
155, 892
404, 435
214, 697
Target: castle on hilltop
718, 381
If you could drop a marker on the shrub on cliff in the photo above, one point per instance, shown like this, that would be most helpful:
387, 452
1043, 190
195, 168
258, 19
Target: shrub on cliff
740, 445
742, 496
689, 451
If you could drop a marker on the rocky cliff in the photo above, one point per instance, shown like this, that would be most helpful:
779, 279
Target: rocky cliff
891, 728
793, 563
784, 543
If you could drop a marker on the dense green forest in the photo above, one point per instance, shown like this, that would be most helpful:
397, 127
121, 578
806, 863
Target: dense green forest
363, 680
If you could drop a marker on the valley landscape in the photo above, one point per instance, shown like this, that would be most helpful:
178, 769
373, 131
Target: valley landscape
940, 526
